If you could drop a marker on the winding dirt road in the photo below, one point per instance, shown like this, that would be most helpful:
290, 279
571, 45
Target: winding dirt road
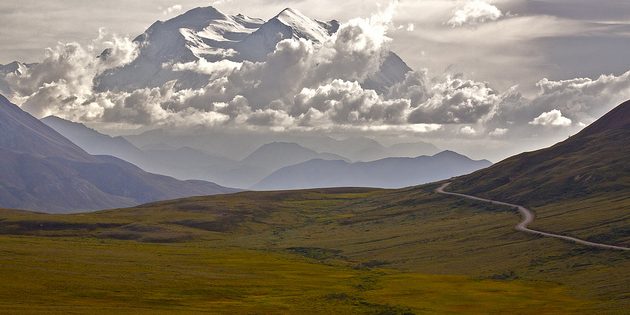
528, 218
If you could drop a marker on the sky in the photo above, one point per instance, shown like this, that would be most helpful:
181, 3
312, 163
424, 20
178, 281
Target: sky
524, 73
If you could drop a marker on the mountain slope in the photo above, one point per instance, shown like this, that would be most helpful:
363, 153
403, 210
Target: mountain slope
286, 25
94, 142
385, 173
199, 33
23, 133
590, 162
181, 163
42, 170
578, 187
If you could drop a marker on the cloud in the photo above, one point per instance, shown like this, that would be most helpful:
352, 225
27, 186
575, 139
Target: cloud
456, 101
344, 102
473, 12
65, 77
171, 9
468, 131
498, 132
308, 86
551, 118
579, 99
410, 27
268, 93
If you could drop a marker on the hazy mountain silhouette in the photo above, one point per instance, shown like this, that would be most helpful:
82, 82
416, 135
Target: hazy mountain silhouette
94, 142
275, 155
385, 173
181, 163
239, 146
42, 170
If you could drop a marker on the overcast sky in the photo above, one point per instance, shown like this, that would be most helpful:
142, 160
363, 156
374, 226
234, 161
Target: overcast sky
506, 44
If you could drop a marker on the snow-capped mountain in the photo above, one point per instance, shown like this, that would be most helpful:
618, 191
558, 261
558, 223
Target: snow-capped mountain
212, 35
16, 68
288, 24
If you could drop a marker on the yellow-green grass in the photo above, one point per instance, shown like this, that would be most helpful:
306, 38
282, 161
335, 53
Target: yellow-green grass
415, 231
78, 275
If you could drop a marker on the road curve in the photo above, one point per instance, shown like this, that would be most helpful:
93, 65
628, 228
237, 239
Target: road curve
528, 218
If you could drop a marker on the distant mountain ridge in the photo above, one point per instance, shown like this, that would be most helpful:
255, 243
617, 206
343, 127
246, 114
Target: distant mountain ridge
239, 146
279, 154
182, 161
44, 171
385, 173
190, 163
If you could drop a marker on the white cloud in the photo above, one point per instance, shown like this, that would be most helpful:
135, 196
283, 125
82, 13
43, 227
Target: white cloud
473, 12
468, 131
456, 101
63, 81
173, 8
308, 86
551, 118
498, 132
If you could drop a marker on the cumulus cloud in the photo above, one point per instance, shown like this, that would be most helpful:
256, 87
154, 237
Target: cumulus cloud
580, 99
498, 132
551, 118
456, 101
299, 83
307, 86
65, 77
468, 131
173, 8
473, 12
346, 102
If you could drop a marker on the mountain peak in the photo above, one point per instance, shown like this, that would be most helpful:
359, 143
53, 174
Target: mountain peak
13, 67
449, 153
291, 14
201, 14
208, 33
302, 26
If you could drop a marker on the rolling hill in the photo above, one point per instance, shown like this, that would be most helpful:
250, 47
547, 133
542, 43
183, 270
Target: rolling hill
42, 170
